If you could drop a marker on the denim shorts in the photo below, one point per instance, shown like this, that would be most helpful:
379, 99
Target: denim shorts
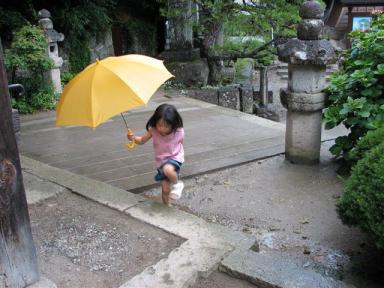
160, 173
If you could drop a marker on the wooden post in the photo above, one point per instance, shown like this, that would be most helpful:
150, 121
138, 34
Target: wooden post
264, 85
18, 263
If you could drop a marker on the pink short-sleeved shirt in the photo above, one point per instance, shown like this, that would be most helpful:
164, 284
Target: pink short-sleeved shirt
168, 146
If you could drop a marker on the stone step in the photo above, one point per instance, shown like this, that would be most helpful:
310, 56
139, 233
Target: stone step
276, 269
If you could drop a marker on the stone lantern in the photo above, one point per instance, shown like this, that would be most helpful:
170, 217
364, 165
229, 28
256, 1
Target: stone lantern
307, 57
53, 37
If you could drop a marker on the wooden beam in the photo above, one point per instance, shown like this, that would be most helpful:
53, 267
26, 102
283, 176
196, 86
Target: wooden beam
18, 263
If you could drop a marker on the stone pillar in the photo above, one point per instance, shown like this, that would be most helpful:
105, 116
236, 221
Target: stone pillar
53, 37
307, 57
180, 25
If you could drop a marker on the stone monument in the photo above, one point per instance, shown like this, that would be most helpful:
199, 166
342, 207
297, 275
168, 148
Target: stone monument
53, 37
181, 58
307, 57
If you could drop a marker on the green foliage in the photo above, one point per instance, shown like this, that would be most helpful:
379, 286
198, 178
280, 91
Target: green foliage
262, 19
27, 59
28, 51
355, 95
366, 143
362, 203
79, 21
66, 77
41, 99
240, 64
235, 46
10, 21
279, 15
141, 32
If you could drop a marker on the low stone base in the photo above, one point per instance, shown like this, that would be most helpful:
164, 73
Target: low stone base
206, 95
246, 100
232, 96
303, 137
229, 97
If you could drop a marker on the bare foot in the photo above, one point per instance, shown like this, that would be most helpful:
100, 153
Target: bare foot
153, 196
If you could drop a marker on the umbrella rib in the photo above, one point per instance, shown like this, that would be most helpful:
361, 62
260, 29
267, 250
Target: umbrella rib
92, 98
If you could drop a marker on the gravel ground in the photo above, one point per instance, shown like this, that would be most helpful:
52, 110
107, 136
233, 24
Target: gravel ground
287, 207
83, 244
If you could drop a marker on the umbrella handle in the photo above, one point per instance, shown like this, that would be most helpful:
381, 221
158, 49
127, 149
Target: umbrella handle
131, 144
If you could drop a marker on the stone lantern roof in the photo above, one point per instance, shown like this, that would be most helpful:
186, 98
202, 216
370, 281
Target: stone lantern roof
46, 24
308, 48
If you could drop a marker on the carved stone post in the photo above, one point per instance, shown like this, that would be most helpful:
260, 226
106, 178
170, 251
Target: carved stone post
53, 37
307, 57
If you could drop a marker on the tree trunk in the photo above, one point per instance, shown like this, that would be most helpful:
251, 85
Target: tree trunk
18, 263
214, 36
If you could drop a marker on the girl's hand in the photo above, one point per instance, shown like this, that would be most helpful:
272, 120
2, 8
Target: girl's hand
130, 136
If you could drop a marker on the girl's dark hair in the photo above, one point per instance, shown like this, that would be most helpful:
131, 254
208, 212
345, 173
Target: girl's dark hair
169, 114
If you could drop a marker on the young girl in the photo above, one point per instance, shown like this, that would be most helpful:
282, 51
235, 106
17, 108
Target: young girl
165, 127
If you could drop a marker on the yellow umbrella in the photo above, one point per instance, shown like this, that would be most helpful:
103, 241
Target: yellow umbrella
109, 87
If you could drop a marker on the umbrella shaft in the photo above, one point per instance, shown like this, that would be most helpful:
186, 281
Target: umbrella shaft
124, 120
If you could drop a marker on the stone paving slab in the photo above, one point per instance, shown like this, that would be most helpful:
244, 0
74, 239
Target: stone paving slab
275, 269
182, 267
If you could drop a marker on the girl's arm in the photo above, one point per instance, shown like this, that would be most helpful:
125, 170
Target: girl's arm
141, 139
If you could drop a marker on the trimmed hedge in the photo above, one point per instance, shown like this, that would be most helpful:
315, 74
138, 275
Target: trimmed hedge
369, 141
362, 203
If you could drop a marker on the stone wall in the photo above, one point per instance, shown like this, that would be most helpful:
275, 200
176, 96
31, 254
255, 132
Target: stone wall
101, 49
232, 96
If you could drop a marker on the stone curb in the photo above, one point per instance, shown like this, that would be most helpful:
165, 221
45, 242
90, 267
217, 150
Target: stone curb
95, 190
206, 244
43, 283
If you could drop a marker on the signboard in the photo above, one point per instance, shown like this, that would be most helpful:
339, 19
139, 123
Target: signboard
361, 23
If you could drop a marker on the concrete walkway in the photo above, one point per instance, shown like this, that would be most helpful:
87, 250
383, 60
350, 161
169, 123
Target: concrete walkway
216, 138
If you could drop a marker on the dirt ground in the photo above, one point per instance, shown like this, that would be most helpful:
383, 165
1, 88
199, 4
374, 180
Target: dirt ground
81, 243
287, 207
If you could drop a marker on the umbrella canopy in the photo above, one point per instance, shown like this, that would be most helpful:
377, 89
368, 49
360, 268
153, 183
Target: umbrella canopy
109, 87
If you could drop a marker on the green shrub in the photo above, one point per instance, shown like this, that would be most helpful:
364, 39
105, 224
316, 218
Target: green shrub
66, 77
28, 62
362, 203
369, 141
355, 95
28, 51
42, 99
